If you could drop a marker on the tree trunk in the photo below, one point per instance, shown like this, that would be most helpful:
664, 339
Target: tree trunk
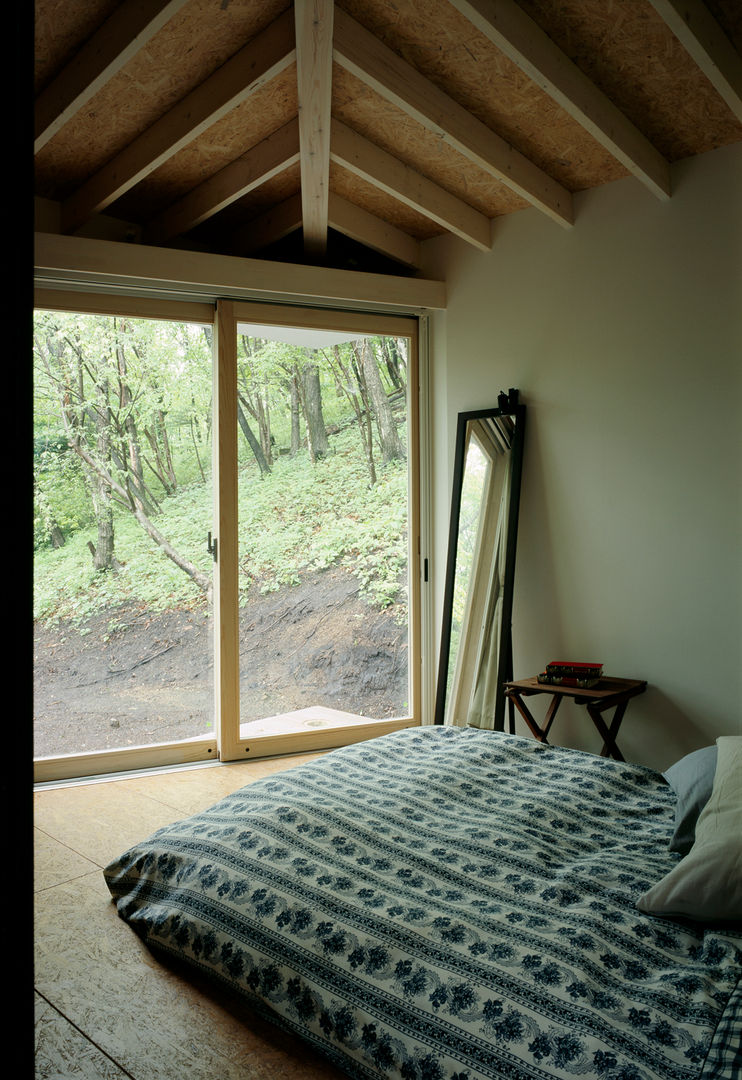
393, 364
164, 441
202, 580
160, 467
344, 381
252, 441
264, 426
295, 416
391, 445
131, 453
316, 431
104, 557
195, 441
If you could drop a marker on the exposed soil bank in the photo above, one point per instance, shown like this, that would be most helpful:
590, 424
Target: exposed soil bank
131, 677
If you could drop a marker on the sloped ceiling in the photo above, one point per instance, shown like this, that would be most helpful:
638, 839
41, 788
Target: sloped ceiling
349, 133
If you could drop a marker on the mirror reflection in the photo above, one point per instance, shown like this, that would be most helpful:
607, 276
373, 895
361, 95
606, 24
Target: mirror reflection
476, 642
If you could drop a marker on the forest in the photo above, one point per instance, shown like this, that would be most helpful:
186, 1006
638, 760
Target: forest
123, 472
122, 426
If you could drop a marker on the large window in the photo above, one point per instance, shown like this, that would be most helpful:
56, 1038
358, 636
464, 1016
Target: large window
226, 532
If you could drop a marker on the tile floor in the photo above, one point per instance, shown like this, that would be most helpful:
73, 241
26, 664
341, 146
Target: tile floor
104, 1007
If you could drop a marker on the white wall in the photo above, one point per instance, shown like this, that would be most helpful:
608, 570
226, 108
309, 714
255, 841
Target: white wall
624, 336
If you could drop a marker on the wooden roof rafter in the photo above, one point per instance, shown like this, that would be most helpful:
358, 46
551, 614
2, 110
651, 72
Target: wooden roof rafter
516, 35
699, 32
127, 31
275, 154
345, 217
254, 65
410, 187
358, 51
387, 124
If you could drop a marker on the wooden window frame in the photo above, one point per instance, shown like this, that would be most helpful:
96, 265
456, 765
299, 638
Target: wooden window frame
226, 661
227, 745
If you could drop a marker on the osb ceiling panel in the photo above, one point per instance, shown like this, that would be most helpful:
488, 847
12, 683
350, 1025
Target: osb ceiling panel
239, 131
250, 208
193, 44
390, 128
382, 205
658, 87
419, 117
59, 30
462, 61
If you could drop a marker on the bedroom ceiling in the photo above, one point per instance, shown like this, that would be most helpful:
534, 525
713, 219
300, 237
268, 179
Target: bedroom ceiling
349, 133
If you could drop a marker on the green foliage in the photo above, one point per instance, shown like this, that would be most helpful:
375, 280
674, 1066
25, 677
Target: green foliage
310, 517
62, 499
299, 518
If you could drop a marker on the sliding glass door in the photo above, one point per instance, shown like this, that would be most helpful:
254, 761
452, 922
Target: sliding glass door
323, 410
227, 531
123, 622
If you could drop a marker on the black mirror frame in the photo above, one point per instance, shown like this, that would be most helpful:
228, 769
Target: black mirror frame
507, 405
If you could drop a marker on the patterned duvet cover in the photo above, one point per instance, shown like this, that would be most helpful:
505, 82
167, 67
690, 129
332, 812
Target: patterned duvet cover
449, 904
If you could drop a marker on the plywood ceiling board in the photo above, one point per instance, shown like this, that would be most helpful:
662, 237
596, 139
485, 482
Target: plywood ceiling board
260, 165
460, 59
390, 128
253, 66
250, 206
705, 41
120, 38
656, 85
505, 24
179, 58
377, 202
60, 28
246, 126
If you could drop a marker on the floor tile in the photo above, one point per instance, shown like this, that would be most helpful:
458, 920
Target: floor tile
141, 1013
191, 790
62, 1053
54, 863
99, 821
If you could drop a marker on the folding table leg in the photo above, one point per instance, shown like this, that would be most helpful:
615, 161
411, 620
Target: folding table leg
610, 749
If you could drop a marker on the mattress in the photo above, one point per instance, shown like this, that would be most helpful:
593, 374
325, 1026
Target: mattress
448, 904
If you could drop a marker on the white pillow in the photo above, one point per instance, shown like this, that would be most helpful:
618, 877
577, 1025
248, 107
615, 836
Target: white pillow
707, 884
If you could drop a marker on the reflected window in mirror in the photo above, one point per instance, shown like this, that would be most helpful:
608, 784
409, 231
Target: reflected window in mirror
476, 641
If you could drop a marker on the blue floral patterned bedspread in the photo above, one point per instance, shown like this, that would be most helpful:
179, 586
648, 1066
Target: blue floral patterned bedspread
448, 904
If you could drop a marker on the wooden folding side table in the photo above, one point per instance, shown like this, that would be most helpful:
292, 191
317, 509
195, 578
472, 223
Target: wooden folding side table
606, 694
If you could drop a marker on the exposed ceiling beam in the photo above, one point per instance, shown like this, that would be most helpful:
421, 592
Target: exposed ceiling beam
261, 163
268, 54
702, 37
369, 60
270, 227
127, 31
363, 158
368, 229
515, 34
80, 262
314, 23
352, 221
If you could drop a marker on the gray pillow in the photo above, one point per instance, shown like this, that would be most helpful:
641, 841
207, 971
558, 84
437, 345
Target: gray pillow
692, 780
707, 884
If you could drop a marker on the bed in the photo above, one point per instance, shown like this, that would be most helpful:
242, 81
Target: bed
452, 904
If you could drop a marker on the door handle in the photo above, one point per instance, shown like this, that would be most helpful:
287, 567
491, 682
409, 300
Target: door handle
211, 546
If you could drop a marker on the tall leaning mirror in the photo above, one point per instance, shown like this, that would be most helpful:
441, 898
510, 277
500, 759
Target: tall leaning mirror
476, 655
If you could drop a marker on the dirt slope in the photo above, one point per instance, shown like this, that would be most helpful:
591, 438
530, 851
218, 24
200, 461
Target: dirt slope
131, 677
